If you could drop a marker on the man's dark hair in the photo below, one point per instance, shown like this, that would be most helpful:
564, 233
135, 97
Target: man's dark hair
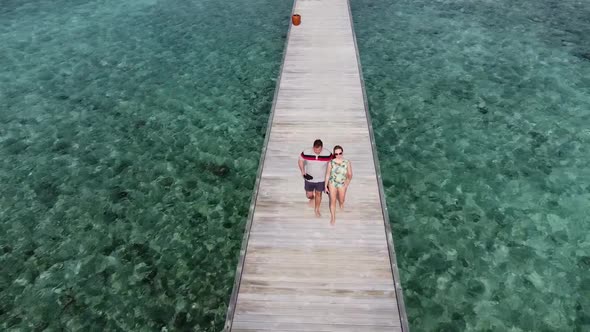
318, 143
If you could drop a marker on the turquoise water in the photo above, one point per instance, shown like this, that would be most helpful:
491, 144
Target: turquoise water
130, 133
482, 118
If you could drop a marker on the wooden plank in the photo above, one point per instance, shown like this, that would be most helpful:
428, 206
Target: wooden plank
242, 325
369, 268
271, 297
317, 259
324, 318
297, 272
281, 307
322, 284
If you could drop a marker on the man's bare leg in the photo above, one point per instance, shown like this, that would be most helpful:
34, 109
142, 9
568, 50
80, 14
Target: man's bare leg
310, 197
318, 201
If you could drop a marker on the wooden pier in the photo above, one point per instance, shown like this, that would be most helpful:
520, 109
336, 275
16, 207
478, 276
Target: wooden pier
296, 271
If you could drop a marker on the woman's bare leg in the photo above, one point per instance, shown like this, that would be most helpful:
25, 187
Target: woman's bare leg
333, 193
341, 197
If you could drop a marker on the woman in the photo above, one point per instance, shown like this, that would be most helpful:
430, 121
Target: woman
338, 176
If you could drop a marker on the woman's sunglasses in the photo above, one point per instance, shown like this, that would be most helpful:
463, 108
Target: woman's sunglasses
338, 153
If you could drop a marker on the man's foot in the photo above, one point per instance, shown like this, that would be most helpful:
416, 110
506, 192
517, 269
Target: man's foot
317, 213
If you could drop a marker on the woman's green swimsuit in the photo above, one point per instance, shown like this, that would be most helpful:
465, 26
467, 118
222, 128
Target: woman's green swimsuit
338, 173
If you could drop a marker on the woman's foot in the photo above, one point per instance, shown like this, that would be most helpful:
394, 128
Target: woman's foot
332, 221
317, 213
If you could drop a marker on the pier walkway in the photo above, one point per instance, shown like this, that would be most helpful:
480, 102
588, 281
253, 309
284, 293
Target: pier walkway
296, 271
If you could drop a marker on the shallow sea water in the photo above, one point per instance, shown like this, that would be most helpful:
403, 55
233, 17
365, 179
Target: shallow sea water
481, 112
130, 133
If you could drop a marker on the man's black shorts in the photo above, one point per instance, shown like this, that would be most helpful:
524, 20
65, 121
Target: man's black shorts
315, 186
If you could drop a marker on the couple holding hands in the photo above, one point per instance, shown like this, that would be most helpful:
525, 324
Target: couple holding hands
324, 171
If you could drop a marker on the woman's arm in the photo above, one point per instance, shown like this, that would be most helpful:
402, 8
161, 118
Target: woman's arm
328, 171
349, 172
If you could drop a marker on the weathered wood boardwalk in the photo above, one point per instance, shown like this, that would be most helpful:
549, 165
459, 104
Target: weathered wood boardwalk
297, 272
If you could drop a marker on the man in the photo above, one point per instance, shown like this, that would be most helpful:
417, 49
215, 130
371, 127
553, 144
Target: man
313, 163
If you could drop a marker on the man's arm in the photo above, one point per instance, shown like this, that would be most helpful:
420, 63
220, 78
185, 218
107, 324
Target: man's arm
301, 163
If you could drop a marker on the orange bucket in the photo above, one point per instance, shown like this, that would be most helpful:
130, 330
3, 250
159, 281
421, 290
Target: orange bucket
296, 19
